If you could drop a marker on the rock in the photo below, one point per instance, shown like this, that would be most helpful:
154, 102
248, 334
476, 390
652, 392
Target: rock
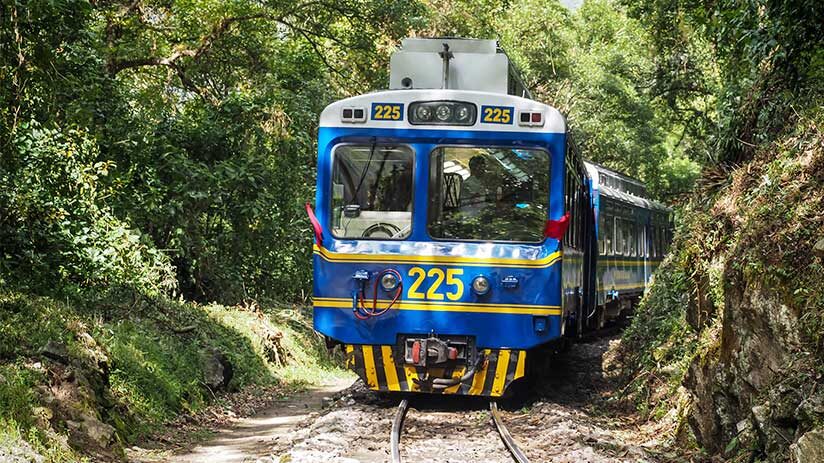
810, 447
42, 416
217, 370
761, 414
739, 375
810, 410
18, 451
785, 401
98, 431
92, 430
57, 351
818, 248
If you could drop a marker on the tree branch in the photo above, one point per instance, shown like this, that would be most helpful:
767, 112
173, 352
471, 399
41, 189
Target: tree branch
218, 30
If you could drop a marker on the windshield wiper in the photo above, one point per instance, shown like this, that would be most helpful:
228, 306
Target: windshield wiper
353, 209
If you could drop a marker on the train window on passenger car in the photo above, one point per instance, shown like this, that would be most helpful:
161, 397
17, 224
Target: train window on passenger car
572, 195
372, 191
573, 212
502, 194
642, 241
609, 235
627, 237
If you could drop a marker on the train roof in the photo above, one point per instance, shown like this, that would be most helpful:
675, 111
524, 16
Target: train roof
621, 187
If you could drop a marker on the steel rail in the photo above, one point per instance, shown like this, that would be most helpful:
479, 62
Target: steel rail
509, 442
397, 426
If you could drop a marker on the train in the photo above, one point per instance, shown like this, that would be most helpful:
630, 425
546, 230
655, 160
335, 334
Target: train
458, 230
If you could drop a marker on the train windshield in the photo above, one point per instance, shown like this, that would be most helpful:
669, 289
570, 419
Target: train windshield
372, 191
480, 193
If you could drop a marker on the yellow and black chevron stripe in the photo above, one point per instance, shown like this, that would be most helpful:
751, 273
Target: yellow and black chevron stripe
377, 367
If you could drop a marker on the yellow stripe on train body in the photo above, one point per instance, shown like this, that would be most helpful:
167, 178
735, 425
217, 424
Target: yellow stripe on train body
443, 306
369, 367
500, 373
389, 370
520, 368
455, 375
437, 260
350, 356
480, 375
411, 375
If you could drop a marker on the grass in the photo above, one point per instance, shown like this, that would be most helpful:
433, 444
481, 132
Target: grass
139, 363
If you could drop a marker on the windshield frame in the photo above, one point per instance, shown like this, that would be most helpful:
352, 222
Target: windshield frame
510, 147
331, 187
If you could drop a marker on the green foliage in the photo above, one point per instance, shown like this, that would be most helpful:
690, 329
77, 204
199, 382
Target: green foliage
58, 226
731, 72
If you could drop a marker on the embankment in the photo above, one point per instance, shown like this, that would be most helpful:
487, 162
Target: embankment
83, 380
728, 346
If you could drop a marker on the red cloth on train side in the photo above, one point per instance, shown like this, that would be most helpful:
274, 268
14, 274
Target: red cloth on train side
557, 228
315, 225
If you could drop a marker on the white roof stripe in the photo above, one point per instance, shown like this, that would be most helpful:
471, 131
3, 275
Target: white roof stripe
554, 121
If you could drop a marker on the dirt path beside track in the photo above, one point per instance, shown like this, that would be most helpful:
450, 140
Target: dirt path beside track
247, 439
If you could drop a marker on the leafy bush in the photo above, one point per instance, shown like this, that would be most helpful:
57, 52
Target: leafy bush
57, 229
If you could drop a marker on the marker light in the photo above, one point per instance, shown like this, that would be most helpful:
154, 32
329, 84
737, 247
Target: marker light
531, 118
353, 114
389, 281
442, 113
480, 285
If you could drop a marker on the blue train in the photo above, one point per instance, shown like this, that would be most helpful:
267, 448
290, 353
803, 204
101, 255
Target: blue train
457, 228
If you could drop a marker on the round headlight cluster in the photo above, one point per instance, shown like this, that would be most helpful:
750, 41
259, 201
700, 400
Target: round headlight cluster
442, 113
480, 285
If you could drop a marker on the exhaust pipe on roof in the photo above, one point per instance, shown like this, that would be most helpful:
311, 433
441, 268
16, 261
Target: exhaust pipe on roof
446, 55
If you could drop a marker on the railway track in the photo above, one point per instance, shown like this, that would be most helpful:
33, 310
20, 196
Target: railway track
506, 437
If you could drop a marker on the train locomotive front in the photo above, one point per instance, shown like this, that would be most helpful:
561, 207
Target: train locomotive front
438, 220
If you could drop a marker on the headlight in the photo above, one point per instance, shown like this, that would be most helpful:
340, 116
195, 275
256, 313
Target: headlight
389, 281
442, 113
423, 113
462, 114
480, 285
